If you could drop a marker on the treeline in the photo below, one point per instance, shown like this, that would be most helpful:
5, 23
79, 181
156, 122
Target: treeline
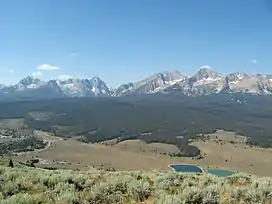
21, 145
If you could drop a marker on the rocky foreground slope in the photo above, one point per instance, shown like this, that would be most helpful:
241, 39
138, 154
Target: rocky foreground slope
32, 186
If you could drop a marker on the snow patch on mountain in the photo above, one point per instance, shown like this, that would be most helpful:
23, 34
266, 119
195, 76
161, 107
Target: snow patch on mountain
204, 82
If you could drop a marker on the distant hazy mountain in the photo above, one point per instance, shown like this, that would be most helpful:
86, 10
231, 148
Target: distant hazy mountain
206, 81
35, 88
151, 84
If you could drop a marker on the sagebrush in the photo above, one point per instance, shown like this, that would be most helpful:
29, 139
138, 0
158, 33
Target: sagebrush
30, 186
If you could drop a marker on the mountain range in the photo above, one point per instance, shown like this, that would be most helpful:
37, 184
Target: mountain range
205, 81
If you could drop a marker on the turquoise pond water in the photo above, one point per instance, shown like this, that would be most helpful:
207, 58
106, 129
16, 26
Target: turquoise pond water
220, 172
186, 168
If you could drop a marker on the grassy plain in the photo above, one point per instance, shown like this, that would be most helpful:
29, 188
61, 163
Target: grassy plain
77, 155
141, 146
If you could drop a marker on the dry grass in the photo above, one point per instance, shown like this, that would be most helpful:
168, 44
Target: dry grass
88, 154
82, 155
226, 136
235, 156
140, 146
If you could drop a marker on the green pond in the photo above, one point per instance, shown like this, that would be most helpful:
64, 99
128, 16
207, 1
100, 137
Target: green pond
220, 172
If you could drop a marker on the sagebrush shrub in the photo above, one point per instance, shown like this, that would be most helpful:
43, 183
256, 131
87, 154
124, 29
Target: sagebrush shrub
22, 199
168, 199
29, 185
9, 189
139, 190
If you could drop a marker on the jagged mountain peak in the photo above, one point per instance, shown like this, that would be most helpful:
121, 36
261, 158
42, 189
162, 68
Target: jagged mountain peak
206, 67
29, 80
207, 72
165, 76
85, 87
72, 87
236, 76
26, 83
171, 72
205, 81
97, 80
154, 83
172, 75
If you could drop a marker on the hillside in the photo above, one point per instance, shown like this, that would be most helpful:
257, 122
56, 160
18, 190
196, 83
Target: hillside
32, 186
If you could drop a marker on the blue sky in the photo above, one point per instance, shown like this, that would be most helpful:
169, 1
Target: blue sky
122, 40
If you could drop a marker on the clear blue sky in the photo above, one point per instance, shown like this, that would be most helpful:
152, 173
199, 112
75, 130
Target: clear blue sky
125, 40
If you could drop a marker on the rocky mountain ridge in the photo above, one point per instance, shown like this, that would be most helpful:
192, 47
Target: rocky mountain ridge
205, 82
